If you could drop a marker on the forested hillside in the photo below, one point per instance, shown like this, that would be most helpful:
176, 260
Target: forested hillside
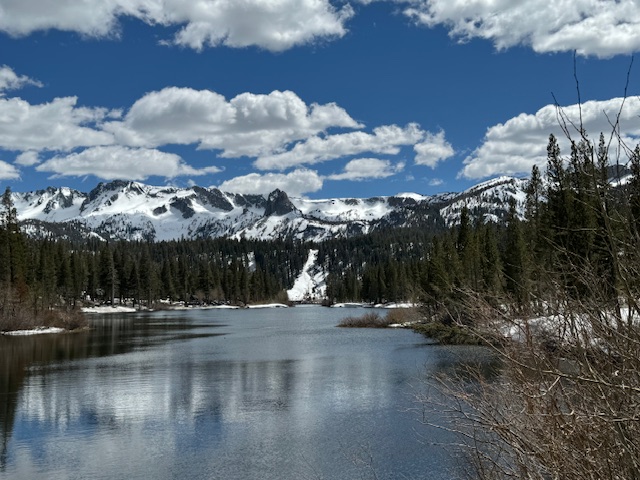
578, 221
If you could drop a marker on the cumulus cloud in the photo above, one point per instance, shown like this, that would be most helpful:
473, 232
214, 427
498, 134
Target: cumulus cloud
8, 171
296, 183
591, 27
9, 80
386, 140
367, 168
279, 129
117, 162
28, 159
248, 124
433, 150
515, 146
274, 25
57, 125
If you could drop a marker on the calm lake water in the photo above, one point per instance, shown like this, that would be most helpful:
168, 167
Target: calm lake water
222, 394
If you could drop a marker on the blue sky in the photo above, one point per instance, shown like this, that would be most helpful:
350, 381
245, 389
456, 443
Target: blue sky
320, 98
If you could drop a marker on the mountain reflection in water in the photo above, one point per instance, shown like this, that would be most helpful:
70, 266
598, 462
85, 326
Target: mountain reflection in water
221, 394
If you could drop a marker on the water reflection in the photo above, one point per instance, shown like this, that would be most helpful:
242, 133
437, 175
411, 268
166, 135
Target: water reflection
211, 395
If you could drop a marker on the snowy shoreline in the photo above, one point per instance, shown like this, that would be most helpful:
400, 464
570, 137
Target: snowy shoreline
34, 331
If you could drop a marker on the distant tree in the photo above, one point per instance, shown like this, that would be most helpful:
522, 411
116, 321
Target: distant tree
107, 273
516, 261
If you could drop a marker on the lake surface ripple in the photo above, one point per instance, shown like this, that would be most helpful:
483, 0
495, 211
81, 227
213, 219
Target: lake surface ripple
222, 394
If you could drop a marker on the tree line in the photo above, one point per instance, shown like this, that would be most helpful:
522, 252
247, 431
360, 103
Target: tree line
38, 276
577, 231
574, 224
562, 319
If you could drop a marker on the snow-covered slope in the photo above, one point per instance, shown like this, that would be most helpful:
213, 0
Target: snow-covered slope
311, 283
488, 200
135, 211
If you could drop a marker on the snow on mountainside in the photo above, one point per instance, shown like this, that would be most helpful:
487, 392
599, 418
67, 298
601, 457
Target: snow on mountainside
135, 211
488, 200
311, 283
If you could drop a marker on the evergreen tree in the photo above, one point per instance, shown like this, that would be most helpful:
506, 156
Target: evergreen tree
134, 283
491, 262
15, 248
47, 278
534, 193
64, 273
107, 274
147, 277
634, 189
516, 260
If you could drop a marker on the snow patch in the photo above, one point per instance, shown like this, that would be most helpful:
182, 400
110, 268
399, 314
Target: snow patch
414, 196
269, 305
396, 305
350, 305
109, 309
311, 283
35, 331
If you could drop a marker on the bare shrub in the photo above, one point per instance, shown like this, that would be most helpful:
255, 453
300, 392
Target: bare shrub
16, 315
566, 403
69, 319
368, 320
403, 316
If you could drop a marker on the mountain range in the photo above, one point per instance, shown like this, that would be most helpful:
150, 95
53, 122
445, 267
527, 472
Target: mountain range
135, 211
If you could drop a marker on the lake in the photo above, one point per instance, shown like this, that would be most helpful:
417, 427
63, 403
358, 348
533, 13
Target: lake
223, 394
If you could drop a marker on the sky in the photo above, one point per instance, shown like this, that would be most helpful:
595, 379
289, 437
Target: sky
320, 98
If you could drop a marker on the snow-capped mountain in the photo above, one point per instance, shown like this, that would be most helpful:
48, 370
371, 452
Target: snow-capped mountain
135, 211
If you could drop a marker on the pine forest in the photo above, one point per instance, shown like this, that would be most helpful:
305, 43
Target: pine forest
579, 231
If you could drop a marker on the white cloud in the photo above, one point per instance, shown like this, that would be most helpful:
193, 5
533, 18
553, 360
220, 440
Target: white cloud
279, 129
367, 168
57, 125
8, 171
591, 27
515, 146
248, 124
9, 80
433, 150
28, 159
117, 162
274, 25
296, 183
385, 140
436, 182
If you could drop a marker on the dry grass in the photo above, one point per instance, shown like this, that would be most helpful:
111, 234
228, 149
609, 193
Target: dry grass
403, 315
368, 320
19, 317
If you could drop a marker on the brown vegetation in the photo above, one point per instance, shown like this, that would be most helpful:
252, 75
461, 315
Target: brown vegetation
368, 320
565, 403
16, 315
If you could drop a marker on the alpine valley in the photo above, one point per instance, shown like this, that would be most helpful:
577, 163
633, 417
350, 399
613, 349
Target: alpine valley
122, 210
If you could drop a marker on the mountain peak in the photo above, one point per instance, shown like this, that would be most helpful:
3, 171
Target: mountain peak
136, 211
278, 204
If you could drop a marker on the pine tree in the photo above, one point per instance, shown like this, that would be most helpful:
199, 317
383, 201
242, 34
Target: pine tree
47, 274
491, 263
534, 193
15, 242
134, 283
634, 189
516, 262
147, 275
558, 207
167, 289
107, 274
64, 273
